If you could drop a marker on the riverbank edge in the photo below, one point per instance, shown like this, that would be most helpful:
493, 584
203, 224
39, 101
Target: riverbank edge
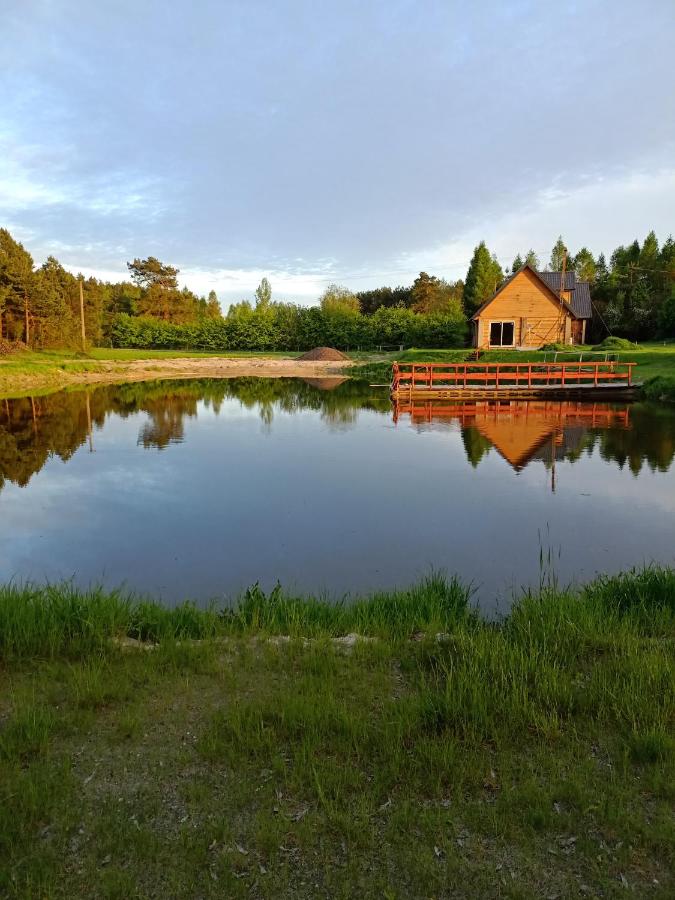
53, 618
81, 373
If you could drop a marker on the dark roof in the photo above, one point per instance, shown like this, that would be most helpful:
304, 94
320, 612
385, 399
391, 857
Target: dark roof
579, 303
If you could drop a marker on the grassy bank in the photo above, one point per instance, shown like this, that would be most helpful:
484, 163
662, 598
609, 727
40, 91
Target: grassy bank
256, 752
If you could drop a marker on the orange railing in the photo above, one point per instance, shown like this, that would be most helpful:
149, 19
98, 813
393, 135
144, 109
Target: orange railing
439, 376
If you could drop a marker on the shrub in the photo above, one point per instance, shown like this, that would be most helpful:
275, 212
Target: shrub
660, 388
615, 343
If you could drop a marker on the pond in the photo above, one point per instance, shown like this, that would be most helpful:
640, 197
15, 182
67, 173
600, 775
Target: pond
199, 488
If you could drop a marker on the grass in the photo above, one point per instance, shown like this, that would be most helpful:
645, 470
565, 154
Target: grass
251, 754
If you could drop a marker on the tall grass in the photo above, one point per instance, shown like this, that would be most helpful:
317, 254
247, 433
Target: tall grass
59, 619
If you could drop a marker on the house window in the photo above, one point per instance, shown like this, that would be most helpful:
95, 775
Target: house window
501, 334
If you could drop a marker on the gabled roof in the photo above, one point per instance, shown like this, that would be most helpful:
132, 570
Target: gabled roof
578, 306
580, 301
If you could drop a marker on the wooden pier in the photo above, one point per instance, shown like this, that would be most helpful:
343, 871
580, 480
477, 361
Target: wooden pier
504, 381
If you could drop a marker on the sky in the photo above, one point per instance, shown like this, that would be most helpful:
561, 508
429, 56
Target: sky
349, 141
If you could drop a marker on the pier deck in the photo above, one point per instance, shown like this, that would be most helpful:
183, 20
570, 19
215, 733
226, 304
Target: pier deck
480, 381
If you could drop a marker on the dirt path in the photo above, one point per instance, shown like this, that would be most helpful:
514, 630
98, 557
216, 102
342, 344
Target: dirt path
111, 371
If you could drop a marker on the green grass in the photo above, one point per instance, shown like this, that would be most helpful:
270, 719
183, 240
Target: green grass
250, 754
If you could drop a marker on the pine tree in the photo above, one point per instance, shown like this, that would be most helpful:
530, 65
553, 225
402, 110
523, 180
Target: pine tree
558, 254
16, 286
482, 279
517, 264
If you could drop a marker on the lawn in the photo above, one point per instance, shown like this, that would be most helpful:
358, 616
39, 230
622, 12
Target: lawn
154, 753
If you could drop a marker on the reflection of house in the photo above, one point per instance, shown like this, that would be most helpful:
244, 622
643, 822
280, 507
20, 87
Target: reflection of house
529, 310
521, 430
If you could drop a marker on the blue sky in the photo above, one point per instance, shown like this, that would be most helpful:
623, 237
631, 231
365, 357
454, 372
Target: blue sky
356, 142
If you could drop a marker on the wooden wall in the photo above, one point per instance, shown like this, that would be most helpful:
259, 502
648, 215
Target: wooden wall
533, 310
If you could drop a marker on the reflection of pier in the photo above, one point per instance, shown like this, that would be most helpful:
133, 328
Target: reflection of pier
520, 430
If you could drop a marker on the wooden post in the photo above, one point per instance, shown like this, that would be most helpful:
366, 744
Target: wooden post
84, 336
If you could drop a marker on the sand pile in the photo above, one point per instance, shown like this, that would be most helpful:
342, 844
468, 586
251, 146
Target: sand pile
327, 354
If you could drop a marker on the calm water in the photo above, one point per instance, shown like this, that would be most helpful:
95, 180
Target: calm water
200, 488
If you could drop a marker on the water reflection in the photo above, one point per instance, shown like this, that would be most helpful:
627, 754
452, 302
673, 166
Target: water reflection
201, 487
32, 429
522, 431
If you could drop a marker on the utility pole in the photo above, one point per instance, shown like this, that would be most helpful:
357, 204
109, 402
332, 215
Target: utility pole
84, 336
562, 298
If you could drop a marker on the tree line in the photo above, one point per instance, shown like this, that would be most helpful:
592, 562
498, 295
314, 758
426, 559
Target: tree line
633, 296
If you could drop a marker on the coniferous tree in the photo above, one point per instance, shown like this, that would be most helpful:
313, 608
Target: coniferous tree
559, 253
482, 279
150, 272
16, 286
517, 264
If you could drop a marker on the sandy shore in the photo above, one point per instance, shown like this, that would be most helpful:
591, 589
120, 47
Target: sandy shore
111, 371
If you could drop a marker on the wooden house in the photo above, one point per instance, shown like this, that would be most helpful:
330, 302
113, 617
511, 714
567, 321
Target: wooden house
529, 310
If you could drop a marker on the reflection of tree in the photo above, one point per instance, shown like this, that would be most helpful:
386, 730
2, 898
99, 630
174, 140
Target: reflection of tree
33, 429
650, 440
476, 445
165, 425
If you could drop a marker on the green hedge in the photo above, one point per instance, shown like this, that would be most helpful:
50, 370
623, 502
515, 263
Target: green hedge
293, 328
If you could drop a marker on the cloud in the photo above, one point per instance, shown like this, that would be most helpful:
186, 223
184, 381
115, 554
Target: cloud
236, 139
